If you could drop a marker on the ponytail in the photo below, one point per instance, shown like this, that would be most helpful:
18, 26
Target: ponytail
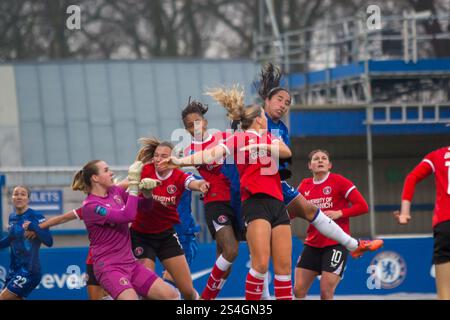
82, 178
233, 101
149, 145
269, 83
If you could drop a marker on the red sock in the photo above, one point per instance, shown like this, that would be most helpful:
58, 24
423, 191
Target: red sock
254, 285
212, 286
219, 287
283, 287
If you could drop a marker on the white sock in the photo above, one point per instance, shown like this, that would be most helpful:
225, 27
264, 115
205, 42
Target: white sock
266, 292
256, 274
327, 227
222, 263
107, 297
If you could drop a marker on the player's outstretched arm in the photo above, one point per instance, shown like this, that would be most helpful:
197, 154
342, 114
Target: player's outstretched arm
63, 218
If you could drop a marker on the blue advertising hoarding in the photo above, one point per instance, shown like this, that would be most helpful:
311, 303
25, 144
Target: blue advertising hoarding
47, 201
402, 266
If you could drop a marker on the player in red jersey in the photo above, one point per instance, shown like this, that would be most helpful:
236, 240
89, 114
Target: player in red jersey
268, 230
222, 202
437, 162
276, 104
152, 232
332, 193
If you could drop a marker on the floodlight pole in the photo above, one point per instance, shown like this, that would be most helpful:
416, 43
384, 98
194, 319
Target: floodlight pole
275, 29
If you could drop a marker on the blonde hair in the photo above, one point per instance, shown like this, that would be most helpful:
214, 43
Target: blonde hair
82, 178
149, 145
232, 99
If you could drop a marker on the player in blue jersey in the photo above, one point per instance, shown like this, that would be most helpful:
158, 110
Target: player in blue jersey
25, 269
187, 230
276, 104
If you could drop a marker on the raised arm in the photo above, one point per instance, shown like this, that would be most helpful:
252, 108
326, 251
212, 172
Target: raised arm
119, 216
202, 157
277, 148
129, 212
199, 185
419, 173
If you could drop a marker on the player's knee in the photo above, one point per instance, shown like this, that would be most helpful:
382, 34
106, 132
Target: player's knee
260, 266
326, 292
230, 252
283, 267
299, 291
310, 212
190, 295
170, 294
187, 291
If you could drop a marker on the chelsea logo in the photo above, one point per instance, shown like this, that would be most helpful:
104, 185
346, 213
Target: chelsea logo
390, 269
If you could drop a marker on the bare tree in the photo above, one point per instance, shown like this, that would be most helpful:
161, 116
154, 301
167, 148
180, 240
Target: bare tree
111, 29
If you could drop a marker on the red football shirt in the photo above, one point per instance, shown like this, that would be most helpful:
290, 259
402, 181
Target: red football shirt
328, 194
219, 189
258, 171
437, 162
163, 214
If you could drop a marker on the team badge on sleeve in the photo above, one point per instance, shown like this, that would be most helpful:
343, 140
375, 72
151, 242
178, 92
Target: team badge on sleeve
101, 210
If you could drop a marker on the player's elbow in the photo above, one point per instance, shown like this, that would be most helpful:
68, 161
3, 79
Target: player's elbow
49, 242
364, 207
285, 153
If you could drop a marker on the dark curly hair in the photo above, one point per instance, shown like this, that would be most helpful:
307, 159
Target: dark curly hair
194, 107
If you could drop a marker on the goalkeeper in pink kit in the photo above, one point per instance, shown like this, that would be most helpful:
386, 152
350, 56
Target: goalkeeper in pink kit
107, 211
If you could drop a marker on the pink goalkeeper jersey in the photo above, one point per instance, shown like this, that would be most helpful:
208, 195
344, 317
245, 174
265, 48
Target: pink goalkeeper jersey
110, 242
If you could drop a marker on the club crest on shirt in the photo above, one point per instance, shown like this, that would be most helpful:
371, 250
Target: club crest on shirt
222, 219
210, 167
101, 210
171, 189
327, 190
138, 251
117, 199
123, 281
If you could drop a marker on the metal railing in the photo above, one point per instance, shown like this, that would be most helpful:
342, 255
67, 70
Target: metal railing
328, 44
